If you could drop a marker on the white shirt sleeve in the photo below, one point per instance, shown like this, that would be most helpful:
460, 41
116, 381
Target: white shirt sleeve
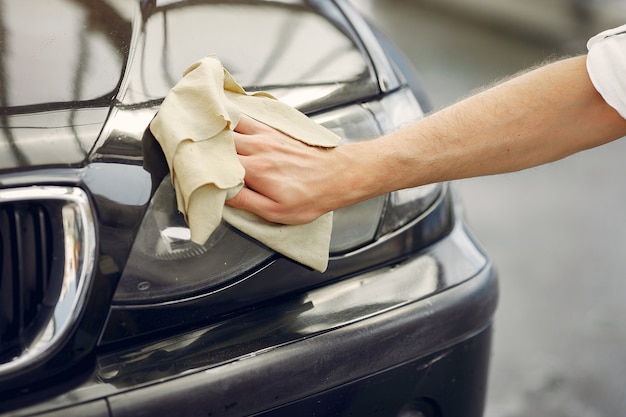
606, 65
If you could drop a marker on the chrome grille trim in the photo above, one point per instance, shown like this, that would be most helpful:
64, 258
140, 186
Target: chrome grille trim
71, 272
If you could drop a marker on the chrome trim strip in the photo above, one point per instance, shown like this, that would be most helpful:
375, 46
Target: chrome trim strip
79, 236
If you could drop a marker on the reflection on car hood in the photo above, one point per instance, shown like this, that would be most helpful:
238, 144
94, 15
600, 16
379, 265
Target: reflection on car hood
66, 66
60, 66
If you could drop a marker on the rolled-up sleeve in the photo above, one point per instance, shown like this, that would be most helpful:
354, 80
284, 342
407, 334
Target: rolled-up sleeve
606, 65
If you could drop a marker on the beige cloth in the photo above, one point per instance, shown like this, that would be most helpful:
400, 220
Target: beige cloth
194, 127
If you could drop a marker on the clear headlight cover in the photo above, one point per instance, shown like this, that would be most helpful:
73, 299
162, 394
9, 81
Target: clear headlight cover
165, 266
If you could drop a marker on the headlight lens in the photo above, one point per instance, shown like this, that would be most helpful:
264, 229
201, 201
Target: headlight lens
164, 265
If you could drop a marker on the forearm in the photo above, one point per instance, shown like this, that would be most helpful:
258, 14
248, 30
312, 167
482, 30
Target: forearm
539, 117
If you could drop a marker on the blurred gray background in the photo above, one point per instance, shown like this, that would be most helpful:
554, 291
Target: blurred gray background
556, 233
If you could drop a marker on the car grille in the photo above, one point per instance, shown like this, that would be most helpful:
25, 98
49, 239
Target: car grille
47, 249
26, 259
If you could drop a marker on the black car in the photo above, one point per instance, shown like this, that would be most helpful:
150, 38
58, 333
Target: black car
107, 308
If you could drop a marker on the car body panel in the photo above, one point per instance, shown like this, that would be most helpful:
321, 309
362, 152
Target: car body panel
58, 80
332, 335
278, 336
88, 58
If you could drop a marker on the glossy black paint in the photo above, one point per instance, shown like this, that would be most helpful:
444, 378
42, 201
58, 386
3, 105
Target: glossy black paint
89, 58
288, 373
90, 131
96, 140
449, 382
279, 277
61, 66
389, 296
305, 346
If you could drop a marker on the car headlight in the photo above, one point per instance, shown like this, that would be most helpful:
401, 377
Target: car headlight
165, 265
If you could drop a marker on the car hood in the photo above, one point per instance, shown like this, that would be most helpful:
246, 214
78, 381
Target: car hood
67, 68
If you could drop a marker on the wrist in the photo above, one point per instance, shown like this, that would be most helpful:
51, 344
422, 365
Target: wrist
364, 171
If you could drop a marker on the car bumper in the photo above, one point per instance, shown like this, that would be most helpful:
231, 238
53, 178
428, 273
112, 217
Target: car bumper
413, 336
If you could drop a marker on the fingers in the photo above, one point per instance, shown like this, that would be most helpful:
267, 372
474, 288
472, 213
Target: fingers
249, 200
272, 211
244, 144
246, 125
248, 135
249, 126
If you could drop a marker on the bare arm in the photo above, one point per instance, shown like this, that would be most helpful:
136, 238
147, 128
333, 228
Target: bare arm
539, 117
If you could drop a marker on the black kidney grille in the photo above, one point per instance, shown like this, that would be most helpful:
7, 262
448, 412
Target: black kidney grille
26, 256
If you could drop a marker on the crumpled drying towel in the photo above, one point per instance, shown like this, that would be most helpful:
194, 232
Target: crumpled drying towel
194, 127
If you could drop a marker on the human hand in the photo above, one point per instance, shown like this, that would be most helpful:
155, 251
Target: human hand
287, 181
